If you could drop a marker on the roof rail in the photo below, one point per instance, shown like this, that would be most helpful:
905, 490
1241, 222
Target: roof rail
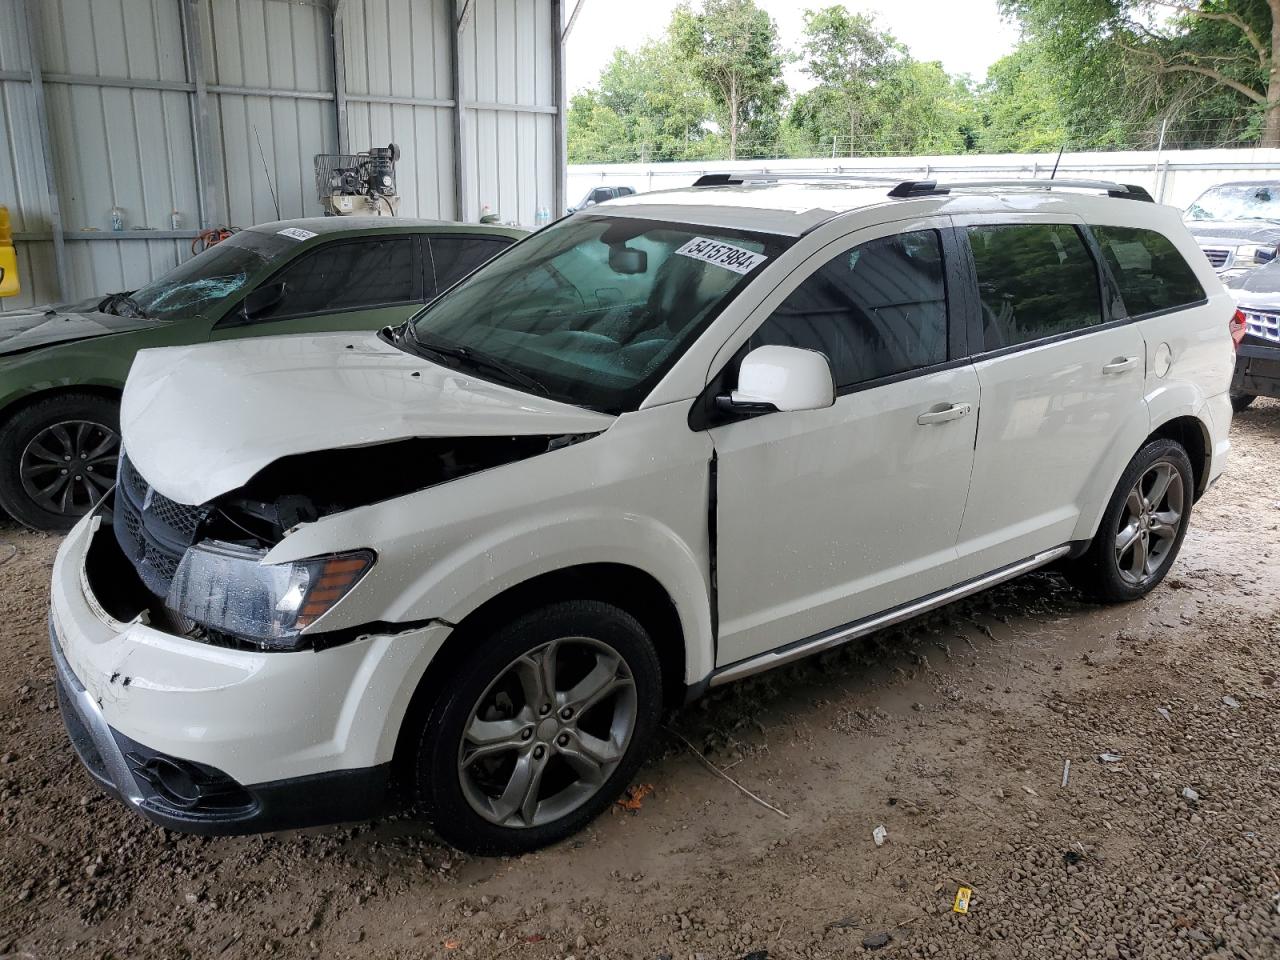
921, 188
715, 180
917, 188
746, 176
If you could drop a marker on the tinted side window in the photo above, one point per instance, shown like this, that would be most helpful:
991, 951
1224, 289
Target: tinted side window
348, 276
1036, 280
1150, 271
455, 257
875, 310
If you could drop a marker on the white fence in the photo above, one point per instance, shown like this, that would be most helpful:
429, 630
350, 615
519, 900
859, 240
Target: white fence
1174, 177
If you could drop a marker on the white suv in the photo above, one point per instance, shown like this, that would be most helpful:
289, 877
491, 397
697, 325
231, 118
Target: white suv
653, 448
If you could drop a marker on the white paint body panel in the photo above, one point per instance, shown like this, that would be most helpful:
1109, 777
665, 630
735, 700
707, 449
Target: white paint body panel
1052, 425
246, 403
257, 716
823, 517
833, 515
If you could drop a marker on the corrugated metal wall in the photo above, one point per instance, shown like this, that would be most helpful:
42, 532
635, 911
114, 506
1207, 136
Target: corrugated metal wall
123, 82
514, 94
117, 146
23, 187
283, 48
398, 56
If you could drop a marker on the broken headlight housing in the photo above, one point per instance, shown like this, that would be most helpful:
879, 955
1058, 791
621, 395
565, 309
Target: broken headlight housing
227, 588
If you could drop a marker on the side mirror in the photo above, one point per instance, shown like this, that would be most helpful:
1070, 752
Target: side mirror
783, 379
258, 302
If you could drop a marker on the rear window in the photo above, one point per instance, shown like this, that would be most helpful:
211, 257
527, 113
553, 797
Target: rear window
1036, 280
1152, 275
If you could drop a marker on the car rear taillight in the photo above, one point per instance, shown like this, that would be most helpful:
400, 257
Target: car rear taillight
1237, 328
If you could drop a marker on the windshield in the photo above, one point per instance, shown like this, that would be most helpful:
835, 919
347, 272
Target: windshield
1238, 201
595, 309
212, 276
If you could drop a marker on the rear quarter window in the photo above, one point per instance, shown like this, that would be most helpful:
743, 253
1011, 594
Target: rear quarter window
1150, 272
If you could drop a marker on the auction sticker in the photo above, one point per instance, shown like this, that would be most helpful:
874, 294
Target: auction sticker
722, 254
296, 233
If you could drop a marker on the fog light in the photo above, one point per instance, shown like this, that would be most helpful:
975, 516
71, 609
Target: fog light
173, 782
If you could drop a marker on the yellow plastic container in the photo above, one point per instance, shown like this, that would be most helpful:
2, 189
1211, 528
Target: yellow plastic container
9, 284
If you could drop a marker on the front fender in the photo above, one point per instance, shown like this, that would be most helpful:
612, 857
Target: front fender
478, 570
636, 495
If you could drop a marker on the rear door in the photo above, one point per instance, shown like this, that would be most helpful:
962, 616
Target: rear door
362, 283
829, 516
453, 256
1061, 372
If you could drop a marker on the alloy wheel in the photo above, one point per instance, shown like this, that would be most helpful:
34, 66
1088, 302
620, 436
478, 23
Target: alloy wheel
1149, 522
69, 466
547, 734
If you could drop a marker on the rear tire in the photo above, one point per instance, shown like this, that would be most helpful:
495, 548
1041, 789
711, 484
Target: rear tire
1142, 529
58, 458
1240, 401
539, 730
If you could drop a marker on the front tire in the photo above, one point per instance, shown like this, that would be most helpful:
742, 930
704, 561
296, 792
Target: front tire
540, 730
1143, 527
58, 458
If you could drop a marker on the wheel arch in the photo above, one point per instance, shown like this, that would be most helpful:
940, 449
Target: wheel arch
628, 587
1192, 433
16, 403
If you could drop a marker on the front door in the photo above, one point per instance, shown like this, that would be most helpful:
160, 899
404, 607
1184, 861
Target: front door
828, 516
359, 284
1063, 407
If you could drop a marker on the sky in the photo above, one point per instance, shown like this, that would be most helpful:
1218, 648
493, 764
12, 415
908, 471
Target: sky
966, 35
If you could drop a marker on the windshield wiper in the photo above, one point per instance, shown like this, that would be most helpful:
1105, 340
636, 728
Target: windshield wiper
114, 301
474, 358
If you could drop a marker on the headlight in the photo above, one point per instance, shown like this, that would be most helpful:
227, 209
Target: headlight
1255, 252
229, 588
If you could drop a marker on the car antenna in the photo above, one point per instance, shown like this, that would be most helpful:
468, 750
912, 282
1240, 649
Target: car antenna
1058, 160
270, 186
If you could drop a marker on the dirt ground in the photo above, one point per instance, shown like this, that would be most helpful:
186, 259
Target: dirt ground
951, 732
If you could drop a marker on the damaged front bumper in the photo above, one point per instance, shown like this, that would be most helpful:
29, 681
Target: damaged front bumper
206, 739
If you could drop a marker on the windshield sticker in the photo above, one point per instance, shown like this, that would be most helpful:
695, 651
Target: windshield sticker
297, 233
724, 255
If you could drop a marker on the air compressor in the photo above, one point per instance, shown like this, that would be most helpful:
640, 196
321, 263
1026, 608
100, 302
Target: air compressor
358, 184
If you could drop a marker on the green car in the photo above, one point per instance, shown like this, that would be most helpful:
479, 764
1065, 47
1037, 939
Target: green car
62, 367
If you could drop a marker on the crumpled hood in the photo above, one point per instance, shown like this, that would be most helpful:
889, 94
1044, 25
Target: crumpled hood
200, 421
43, 326
1231, 232
1258, 288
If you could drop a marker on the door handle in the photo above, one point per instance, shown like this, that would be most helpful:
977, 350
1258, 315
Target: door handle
1121, 365
951, 411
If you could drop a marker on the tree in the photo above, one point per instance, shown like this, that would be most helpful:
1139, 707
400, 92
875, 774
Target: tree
849, 58
872, 93
1228, 45
732, 48
1022, 105
645, 106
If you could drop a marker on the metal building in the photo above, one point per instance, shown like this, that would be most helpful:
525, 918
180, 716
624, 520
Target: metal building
199, 113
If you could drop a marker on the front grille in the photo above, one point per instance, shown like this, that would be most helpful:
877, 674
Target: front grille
152, 530
131, 480
1262, 323
1217, 256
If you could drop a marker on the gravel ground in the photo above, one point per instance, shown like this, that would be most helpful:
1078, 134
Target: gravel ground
951, 732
